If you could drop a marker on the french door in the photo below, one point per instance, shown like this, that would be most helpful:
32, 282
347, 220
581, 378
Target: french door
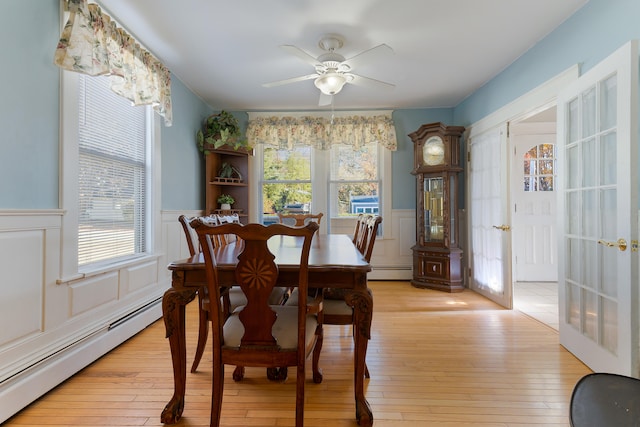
598, 214
489, 230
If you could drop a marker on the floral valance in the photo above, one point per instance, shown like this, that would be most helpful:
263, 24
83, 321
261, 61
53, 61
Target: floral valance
321, 132
92, 44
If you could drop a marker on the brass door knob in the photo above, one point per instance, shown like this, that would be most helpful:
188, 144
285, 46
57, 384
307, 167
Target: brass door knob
620, 244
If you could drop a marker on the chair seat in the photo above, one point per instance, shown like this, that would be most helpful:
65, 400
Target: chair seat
237, 298
336, 307
284, 330
602, 399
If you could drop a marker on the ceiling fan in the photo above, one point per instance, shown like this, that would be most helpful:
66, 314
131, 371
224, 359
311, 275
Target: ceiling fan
333, 71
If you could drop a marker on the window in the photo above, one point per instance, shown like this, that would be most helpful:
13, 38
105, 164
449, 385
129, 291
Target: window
107, 174
340, 182
336, 164
286, 182
112, 174
355, 184
538, 166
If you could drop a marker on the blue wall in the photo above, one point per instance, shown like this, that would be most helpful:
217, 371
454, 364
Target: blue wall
182, 163
407, 121
586, 38
30, 116
29, 104
29, 108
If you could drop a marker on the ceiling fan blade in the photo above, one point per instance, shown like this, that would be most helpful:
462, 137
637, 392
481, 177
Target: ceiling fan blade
369, 82
371, 55
324, 99
291, 80
296, 51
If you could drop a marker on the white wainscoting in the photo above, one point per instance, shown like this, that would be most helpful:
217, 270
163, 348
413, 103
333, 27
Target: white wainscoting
51, 330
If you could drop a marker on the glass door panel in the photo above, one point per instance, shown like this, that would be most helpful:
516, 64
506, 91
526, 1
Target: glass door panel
597, 128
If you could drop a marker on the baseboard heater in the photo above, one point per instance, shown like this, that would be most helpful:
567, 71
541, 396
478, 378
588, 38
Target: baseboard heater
79, 341
134, 313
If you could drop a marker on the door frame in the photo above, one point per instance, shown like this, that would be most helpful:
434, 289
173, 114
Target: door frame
525, 129
527, 105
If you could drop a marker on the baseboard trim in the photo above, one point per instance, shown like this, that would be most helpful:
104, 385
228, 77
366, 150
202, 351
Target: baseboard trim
27, 386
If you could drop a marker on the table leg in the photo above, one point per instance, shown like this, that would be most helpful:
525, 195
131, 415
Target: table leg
362, 303
173, 310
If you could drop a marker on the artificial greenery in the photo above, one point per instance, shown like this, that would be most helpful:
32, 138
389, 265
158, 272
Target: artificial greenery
226, 198
227, 170
218, 130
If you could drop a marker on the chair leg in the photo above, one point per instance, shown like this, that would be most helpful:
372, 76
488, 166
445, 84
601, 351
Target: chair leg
217, 389
277, 374
317, 372
300, 380
238, 373
203, 331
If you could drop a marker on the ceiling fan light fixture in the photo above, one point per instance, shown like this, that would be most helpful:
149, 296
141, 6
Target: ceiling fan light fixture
330, 83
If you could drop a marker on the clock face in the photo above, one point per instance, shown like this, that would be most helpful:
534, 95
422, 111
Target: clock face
433, 151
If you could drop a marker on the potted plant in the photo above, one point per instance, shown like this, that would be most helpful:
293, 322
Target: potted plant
226, 200
219, 130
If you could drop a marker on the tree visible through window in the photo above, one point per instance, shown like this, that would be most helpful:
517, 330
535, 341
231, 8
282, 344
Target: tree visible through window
286, 183
354, 179
539, 165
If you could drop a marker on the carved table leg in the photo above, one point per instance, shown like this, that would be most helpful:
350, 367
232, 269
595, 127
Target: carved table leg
362, 302
173, 310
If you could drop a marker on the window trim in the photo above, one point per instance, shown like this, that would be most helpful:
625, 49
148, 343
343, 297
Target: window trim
68, 185
320, 181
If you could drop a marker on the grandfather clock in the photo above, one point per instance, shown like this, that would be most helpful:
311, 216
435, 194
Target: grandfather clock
437, 259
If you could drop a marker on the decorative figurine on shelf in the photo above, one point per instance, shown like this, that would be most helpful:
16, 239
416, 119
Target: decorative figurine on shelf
228, 171
226, 201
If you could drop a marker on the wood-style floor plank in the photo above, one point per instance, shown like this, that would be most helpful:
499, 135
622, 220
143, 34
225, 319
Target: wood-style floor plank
436, 359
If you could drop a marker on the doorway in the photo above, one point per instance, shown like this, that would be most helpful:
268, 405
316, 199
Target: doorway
534, 216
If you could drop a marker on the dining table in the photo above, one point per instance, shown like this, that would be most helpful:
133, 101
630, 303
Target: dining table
334, 262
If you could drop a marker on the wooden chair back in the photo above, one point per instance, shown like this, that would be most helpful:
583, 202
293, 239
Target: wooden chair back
204, 301
190, 234
254, 343
358, 229
298, 219
365, 233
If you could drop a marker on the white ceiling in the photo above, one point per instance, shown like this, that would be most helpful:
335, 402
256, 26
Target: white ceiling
443, 50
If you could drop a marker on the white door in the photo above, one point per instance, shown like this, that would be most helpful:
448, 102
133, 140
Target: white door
597, 207
534, 211
489, 230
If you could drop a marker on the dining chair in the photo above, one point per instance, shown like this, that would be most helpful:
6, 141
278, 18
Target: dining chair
605, 400
335, 310
360, 223
298, 219
260, 334
232, 297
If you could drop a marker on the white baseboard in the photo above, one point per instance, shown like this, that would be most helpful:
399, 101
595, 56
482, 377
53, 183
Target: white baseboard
397, 273
22, 389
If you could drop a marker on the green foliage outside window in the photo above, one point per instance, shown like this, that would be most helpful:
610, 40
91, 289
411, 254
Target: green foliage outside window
287, 176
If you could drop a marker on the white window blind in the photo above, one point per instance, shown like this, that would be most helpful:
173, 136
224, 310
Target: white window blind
112, 175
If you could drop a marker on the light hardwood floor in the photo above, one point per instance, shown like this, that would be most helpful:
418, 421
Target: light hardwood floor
436, 359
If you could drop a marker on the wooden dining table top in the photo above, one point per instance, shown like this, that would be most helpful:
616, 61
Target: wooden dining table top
329, 252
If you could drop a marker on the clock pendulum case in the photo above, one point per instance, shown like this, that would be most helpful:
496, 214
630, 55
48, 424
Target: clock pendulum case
437, 258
